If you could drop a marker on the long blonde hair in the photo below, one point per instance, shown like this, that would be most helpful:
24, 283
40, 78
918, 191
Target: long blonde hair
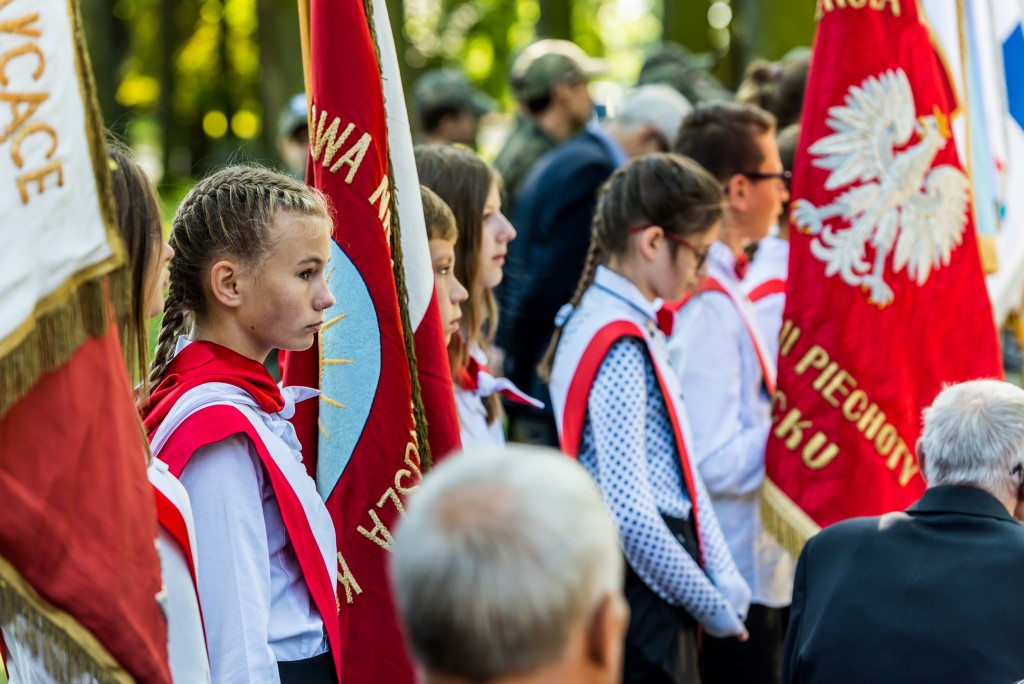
463, 181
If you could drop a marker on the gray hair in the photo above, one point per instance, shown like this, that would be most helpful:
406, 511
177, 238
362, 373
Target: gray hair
656, 105
502, 553
974, 435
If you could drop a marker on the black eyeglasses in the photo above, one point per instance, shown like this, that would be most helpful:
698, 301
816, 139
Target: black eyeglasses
785, 176
1018, 472
700, 254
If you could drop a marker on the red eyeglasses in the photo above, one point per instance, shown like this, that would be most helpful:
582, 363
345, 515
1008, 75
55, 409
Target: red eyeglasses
700, 254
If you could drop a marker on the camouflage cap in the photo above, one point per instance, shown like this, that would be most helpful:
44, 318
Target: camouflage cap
547, 62
449, 88
688, 72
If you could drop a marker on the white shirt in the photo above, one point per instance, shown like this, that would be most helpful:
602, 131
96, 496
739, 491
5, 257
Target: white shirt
186, 644
256, 605
473, 427
771, 262
730, 411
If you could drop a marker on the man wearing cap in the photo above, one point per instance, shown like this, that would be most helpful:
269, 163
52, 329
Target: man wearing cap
688, 72
550, 80
448, 108
553, 218
293, 136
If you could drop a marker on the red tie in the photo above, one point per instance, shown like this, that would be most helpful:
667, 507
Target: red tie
666, 319
740, 267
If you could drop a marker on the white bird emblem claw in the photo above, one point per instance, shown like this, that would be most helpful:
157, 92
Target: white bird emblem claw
895, 200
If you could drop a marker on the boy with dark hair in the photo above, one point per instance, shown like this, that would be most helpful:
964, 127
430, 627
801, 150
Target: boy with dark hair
727, 374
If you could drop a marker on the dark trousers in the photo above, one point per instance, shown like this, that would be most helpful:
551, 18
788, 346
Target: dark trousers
755, 661
661, 642
316, 670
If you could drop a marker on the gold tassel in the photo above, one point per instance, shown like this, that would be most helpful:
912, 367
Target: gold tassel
784, 520
398, 269
67, 650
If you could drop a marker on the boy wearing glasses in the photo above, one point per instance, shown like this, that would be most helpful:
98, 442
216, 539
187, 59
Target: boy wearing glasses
727, 372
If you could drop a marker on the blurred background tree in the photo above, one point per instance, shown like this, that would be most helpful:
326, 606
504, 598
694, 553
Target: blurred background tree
194, 84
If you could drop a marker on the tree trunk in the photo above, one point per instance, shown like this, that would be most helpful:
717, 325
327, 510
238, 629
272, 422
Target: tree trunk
108, 41
555, 19
280, 61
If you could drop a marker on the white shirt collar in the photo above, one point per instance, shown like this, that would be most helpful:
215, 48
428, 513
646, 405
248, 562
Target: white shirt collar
722, 262
627, 291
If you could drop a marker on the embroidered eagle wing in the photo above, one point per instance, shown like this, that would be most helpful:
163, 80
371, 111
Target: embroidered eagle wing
875, 117
933, 223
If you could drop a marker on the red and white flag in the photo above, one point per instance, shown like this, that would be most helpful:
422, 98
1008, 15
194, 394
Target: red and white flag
885, 300
361, 440
79, 574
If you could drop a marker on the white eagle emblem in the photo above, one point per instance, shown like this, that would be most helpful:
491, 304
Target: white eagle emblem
895, 200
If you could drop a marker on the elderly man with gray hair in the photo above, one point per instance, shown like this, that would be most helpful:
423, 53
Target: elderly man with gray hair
931, 594
507, 568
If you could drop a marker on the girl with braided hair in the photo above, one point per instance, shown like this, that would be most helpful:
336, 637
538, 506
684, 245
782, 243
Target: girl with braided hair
619, 411
250, 252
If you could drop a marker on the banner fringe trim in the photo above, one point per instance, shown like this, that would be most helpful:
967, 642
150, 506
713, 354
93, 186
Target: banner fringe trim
68, 650
784, 520
55, 335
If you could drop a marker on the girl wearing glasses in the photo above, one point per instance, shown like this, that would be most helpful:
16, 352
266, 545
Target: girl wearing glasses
619, 411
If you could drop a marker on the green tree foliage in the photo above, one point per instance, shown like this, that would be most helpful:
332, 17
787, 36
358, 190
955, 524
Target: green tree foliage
202, 81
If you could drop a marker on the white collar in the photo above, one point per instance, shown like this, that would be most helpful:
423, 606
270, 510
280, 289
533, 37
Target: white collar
625, 290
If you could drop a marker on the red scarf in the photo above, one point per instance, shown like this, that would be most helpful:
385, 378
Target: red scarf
202, 362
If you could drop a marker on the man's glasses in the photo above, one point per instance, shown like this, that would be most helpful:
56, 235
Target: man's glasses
700, 254
785, 176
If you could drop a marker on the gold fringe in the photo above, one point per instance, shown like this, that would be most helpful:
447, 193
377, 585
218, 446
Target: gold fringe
68, 651
55, 335
989, 255
419, 414
784, 520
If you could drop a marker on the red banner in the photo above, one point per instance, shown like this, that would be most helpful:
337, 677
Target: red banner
360, 439
885, 299
78, 523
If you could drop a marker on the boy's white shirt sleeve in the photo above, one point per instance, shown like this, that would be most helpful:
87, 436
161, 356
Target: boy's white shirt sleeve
225, 483
706, 354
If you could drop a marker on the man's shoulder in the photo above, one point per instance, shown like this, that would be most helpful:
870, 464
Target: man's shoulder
568, 163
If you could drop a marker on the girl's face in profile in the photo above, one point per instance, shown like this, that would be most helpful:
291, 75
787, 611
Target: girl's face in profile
157, 275
497, 232
450, 292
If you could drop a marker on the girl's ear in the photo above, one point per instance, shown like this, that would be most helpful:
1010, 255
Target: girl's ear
224, 284
649, 242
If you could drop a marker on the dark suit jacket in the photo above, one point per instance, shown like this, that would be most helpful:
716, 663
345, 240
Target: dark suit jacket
930, 595
552, 216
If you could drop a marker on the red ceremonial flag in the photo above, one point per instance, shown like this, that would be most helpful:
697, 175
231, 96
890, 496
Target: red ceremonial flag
361, 441
79, 574
885, 299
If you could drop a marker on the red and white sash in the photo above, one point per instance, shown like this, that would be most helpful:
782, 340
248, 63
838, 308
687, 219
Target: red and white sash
743, 304
597, 324
195, 422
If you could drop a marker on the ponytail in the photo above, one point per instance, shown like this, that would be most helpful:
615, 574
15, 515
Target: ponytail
594, 258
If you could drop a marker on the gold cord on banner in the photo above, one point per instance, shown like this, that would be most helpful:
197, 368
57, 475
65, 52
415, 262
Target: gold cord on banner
67, 650
397, 266
784, 520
